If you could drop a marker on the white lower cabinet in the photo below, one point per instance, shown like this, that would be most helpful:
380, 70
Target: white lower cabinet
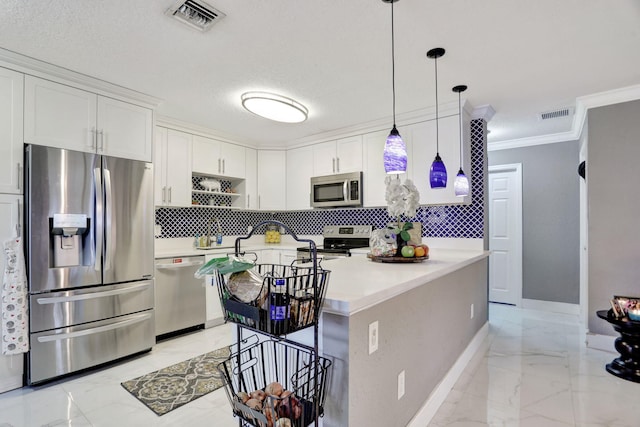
11, 367
215, 316
287, 257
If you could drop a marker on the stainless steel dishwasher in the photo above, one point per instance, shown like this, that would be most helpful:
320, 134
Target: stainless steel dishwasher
179, 298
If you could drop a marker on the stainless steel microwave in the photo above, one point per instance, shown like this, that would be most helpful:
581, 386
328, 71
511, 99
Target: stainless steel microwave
340, 190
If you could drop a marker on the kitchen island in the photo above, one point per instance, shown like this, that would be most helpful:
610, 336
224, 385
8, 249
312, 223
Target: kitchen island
431, 316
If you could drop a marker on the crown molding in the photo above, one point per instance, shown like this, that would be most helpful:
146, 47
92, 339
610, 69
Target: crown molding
582, 107
533, 140
194, 129
45, 70
485, 112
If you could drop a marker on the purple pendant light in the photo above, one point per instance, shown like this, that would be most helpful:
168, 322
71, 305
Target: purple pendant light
438, 172
395, 150
461, 184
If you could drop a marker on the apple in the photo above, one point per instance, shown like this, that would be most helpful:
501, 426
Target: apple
407, 251
420, 252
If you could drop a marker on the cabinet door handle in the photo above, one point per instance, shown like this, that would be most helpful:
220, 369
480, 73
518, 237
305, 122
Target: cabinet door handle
248, 201
259, 202
92, 138
169, 194
219, 169
101, 146
333, 164
19, 224
223, 168
164, 194
337, 164
19, 177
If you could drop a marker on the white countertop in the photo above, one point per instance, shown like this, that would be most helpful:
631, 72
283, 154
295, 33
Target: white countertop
182, 247
358, 283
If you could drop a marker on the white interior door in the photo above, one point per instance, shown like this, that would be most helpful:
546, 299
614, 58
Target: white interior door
505, 234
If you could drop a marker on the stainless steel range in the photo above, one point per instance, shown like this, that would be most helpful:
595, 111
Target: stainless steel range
338, 240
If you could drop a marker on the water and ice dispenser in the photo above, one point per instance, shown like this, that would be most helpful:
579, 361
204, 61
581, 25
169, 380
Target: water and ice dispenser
66, 236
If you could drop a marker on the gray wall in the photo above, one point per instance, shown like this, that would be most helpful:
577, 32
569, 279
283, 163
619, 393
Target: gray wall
613, 176
550, 223
422, 331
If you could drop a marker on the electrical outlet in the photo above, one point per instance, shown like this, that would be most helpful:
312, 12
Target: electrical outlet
373, 336
157, 230
471, 315
400, 385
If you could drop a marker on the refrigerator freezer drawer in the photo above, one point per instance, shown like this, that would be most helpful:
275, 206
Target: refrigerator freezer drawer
66, 350
55, 310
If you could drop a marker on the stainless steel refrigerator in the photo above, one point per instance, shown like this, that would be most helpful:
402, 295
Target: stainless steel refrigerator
89, 252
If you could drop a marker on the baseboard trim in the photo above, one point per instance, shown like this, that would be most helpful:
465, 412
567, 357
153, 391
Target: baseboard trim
601, 342
440, 393
551, 306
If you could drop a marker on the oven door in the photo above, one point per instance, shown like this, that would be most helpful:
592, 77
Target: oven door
303, 254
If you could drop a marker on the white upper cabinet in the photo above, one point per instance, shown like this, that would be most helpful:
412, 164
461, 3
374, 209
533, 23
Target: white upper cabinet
422, 137
374, 174
251, 178
212, 157
299, 178
341, 156
172, 167
125, 130
271, 180
58, 115
11, 120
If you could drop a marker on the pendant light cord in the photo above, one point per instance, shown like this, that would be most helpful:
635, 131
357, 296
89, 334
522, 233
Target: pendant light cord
460, 127
437, 130
393, 68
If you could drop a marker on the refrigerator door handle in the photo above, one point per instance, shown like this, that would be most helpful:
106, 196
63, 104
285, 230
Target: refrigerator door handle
92, 295
97, 179
59, 337
110, 226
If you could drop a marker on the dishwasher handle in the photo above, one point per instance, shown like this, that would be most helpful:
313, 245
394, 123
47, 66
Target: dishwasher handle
170, 266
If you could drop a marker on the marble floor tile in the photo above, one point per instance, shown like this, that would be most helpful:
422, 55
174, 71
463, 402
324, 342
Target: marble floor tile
537, 372
533, 370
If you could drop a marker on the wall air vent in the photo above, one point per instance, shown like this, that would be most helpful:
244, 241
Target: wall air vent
556, 114
196, 14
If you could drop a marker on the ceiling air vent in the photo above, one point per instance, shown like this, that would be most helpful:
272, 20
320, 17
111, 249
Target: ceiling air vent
198, 15
556, 114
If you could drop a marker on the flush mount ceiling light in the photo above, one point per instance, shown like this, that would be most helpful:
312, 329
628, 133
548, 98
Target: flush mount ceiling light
395, 150
438, 172
274, 107
198, 15
461, 184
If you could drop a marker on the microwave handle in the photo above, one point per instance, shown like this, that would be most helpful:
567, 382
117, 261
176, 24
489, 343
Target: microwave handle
345, 189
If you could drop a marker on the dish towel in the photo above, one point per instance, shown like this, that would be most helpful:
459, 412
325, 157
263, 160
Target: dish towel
15, 329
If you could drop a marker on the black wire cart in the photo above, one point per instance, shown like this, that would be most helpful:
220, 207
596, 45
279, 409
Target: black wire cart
277, 382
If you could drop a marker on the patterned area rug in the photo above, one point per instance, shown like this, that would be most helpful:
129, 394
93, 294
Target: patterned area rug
169, 388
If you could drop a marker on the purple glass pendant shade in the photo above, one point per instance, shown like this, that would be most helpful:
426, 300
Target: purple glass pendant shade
438, 173
395, 153
461, 184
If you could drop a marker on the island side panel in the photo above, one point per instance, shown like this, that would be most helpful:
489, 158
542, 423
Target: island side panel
422, 332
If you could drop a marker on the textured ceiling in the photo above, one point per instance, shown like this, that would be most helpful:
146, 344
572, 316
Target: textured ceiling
521, 57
